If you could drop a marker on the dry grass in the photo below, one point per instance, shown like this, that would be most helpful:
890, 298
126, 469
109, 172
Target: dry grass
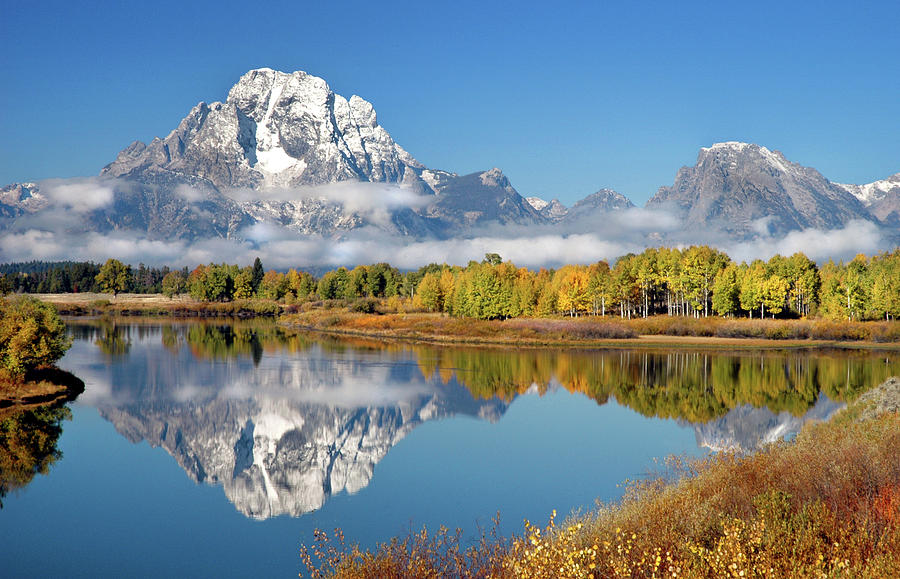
826, 505
36, 388
825, 330
594, 331
156, 305
441, 328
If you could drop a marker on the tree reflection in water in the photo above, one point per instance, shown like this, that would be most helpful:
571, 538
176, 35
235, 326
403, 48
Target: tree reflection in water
28, 441
284, 419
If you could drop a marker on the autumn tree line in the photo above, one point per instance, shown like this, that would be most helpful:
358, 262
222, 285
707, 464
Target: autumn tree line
697, 281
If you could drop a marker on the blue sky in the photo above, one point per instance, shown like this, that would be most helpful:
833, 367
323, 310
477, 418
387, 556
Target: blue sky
565, 97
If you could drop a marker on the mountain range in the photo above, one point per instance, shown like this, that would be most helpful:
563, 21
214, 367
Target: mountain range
285, 152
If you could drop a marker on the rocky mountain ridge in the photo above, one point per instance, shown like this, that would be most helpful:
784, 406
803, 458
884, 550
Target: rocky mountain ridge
273, 152
882, 198
745, 189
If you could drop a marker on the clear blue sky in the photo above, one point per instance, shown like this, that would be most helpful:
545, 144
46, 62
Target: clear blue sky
565, 97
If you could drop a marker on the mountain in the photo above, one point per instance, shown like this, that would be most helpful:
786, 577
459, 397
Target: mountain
274, 130
552, 211
287, 154
882, 198
20, 199
285, 150
745, 189
478, 199
599, 203
282, 134
537, 203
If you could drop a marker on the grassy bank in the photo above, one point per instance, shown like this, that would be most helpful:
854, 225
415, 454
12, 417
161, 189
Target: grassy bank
36, 388
596, 331
826, 505
88, 304
394, 319
444, 329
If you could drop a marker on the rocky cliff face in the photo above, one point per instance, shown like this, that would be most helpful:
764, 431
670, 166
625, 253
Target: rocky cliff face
745, 189
20, 199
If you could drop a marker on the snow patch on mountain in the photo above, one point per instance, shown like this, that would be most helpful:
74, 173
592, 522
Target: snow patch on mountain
871, 193
537, 202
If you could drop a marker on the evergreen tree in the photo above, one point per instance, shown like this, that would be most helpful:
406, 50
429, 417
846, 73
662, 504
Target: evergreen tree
258, 273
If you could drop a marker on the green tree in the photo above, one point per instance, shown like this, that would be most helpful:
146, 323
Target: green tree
492, 259
273, 286
753, 279
884, 273
219, 282
114, 277
356, 286
174, 283
775, 290
31, 334
197, 283
726, 291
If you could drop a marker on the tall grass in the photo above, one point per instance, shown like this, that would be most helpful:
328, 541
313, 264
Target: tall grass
766, 329
825, 505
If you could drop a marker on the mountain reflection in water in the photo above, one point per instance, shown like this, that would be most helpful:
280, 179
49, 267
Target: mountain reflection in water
283, 420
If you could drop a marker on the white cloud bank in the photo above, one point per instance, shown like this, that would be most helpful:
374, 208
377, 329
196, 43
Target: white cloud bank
281, 250
48, 235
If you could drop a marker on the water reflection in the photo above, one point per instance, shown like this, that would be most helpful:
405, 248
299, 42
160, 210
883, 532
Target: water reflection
283, 420
279, 432
28, 445
30, 430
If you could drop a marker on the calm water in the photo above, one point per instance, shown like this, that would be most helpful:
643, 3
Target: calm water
201, 449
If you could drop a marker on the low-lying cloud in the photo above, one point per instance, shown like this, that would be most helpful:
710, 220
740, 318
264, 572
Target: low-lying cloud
375, 202
58, 232
283, 250
79, 195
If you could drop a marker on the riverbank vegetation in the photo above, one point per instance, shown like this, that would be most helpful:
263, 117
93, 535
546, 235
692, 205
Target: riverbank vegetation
824, 505
31, 335
584, 331
697, 282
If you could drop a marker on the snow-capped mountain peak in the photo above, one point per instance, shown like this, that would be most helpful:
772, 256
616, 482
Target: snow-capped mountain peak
275, 129
871, 193
537, 202
731, 150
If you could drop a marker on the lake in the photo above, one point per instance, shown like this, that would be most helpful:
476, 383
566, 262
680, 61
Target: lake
211, 448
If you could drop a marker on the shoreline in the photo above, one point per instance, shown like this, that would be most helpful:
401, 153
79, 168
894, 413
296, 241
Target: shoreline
38, 388
431, 335
583, 333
